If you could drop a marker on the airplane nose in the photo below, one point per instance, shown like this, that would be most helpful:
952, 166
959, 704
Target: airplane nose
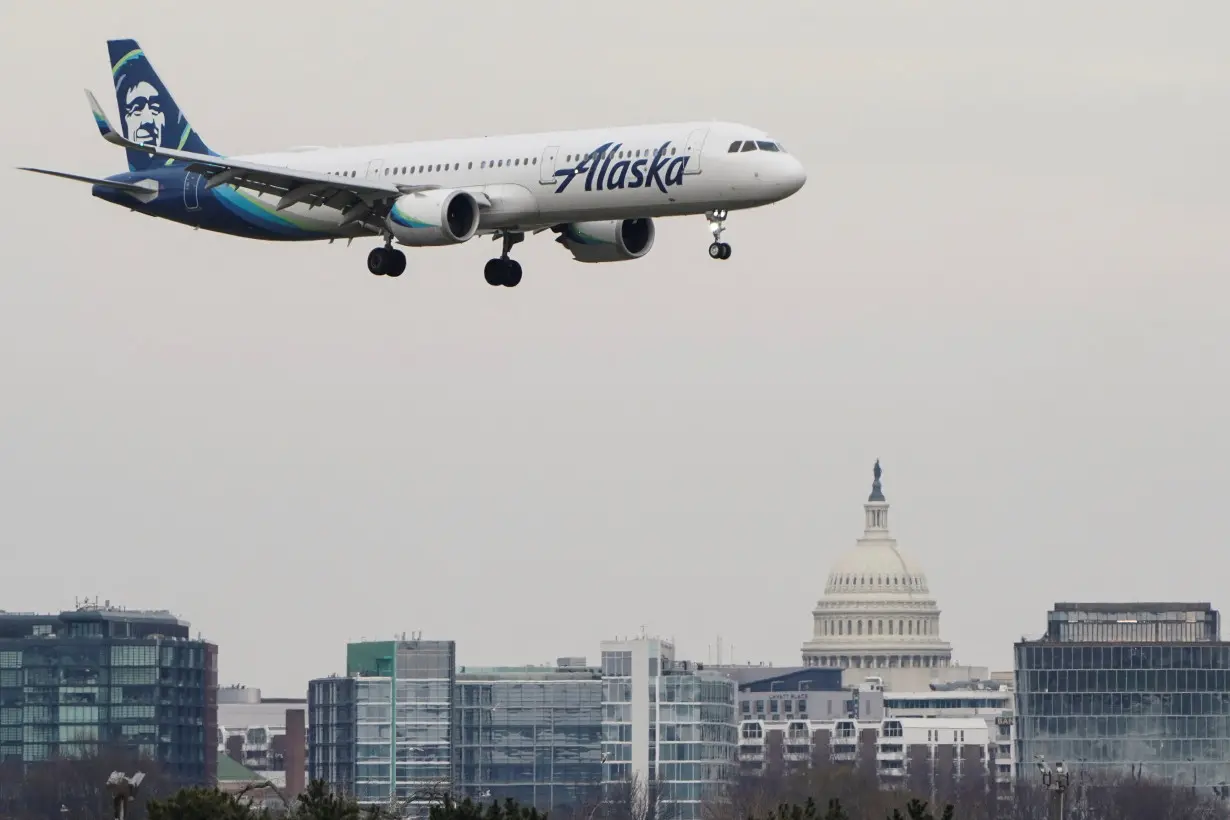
796, 176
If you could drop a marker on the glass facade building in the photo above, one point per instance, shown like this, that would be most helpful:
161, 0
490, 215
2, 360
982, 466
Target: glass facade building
403, 713
331, 732
530, 733
669, 729
1128, 685
101, 679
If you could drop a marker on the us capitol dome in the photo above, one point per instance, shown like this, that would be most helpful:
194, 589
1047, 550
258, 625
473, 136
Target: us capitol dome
877, 614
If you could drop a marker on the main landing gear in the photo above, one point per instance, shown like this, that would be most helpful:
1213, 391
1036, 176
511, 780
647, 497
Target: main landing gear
504, 271
386, 261
717, 224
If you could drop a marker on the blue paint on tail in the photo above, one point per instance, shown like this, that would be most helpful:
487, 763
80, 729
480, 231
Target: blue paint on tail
148, 112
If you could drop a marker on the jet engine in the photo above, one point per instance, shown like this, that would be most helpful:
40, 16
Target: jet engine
436, 217
613, 241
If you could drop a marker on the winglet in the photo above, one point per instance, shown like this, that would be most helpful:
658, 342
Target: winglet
104, 125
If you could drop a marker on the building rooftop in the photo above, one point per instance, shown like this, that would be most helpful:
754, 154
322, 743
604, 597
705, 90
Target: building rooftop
231, 772
1132, 606
116, 622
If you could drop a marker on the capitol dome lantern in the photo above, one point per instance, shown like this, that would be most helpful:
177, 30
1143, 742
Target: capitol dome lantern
877, 613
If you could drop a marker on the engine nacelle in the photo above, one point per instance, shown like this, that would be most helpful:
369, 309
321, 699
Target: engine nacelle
614, 241
439, 217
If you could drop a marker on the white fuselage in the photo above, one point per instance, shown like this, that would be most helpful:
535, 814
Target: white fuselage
519, 174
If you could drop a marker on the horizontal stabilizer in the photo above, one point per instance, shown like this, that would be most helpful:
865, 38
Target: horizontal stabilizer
119, 186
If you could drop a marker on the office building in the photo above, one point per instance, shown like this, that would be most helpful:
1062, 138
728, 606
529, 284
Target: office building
1122, 686
532, 733
669, 728
332, 733
393, 716
99, 680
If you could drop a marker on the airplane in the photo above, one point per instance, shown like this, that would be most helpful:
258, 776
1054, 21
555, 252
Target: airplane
599, 190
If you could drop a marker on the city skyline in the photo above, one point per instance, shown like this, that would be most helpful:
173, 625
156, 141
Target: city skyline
1006, 278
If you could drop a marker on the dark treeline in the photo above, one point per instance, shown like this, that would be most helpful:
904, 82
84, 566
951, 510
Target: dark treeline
76, 790
858, 795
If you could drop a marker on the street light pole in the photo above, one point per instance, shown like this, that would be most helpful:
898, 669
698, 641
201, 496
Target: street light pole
1056, 783
123, 791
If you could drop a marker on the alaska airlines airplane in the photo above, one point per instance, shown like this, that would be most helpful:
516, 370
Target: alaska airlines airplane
599, 190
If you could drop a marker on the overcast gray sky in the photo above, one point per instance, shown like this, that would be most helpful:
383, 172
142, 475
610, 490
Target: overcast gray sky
1007, 277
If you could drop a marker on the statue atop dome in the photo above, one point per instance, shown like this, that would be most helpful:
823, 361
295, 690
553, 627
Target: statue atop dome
877, 493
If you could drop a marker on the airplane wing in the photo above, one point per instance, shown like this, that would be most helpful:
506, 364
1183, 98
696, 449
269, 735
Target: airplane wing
359, 200
127, 187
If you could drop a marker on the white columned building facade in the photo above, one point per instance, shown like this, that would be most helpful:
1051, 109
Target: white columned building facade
877, 614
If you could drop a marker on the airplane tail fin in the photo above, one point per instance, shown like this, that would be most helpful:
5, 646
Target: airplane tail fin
148, 112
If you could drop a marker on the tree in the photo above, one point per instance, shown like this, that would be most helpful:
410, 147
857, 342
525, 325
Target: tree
632, 799
468, 810
317, 802
202, 804
917, 810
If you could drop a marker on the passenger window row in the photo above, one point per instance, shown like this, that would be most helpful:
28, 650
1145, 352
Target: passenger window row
407, 170
754, 145
627, 153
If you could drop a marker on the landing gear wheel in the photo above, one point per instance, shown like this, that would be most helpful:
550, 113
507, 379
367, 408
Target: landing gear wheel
386, 262
503, 270
717, 224
375, 261
506, 272
396, 262
493, 272
512, 273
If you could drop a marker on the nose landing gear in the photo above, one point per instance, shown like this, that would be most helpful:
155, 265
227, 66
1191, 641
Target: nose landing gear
717, 224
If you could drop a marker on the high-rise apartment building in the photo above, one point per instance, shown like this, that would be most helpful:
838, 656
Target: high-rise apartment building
100, 678
669, 728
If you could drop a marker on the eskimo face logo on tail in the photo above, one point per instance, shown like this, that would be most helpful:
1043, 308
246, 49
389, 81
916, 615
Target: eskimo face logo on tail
604, 171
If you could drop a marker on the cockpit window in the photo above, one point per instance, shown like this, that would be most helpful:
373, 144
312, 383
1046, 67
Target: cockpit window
740, 146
